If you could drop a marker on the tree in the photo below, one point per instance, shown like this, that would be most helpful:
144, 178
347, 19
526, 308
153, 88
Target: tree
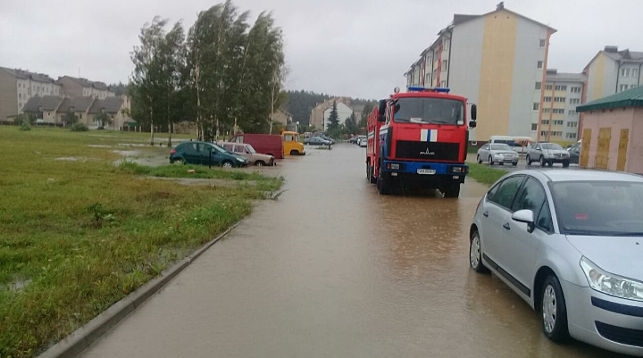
351, 125
103, 119
158, 64
333, 128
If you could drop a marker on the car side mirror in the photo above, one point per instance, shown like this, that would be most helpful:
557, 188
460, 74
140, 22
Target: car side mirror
525, 216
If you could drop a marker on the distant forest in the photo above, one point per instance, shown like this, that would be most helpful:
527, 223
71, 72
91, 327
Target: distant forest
298, 103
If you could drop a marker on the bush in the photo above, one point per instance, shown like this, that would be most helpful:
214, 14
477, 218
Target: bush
79, 127
25, 126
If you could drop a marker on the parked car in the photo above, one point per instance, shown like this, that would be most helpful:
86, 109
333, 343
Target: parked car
568, 242
547, 154
247, 151
317, 140
362, 141
497, 153
206, 153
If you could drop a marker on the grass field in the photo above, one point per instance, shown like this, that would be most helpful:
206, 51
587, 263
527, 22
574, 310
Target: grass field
80, 228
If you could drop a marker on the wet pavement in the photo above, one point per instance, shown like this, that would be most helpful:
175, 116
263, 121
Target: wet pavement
333, 269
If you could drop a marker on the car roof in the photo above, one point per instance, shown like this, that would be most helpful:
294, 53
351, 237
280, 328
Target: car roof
561, 175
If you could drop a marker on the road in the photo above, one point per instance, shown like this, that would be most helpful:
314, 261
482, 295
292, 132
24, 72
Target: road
333, 269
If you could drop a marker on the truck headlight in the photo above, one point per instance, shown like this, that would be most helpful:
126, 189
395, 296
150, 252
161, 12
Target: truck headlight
611, 284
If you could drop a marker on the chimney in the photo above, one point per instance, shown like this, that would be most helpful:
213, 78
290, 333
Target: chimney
500, 6
611, 49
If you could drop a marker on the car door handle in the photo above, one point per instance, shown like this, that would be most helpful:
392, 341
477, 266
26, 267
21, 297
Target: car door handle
506, 226
485, 214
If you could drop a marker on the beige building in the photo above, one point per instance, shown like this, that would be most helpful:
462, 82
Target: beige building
319, 115
497, 60
81, 87
53, 109
612, 128
18, 86
559, 121
612, 71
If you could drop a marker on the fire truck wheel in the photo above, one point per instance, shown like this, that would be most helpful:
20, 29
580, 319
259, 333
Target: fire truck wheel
452, 190
383, 184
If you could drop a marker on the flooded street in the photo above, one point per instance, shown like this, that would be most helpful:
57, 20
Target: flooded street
333, 269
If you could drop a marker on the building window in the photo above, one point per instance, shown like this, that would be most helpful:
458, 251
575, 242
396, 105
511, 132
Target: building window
557, 133
544, 133
559, 99
561, 88
571, 112
445, 65
575, 90
540, 64
549, 86
557, 122
635, 72
534, 126
625, 72
543, 42
538, 84
571, 135
622, 88
546, 99
545, 121
536, 106
572, 124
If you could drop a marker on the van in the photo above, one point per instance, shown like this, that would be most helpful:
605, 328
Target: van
271, 144
292, 144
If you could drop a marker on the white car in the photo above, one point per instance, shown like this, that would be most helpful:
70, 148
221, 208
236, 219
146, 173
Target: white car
569, 243
497, 153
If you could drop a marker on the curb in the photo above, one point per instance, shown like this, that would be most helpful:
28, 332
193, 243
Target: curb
83, 337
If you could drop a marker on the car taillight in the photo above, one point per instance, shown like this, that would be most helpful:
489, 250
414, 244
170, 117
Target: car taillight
172, 151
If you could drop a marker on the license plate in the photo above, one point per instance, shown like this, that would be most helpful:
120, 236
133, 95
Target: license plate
426, 171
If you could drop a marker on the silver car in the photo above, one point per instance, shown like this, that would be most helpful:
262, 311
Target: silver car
569, 243
497, 153
547, 154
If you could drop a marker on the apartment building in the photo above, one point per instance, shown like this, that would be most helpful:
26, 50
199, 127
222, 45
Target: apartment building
612, 71
559, 121
81, 87
497, 60
18, 86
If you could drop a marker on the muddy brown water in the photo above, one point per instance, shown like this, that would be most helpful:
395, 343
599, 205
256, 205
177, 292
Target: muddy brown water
333, 269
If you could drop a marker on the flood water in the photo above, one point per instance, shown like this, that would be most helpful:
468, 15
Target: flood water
333, 269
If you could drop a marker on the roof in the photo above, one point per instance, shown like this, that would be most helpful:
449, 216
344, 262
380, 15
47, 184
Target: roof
109, 105
460, 18
630, 98
76, 104
40, 104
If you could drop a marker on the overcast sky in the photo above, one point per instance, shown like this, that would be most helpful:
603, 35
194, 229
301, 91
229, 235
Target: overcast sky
356, 48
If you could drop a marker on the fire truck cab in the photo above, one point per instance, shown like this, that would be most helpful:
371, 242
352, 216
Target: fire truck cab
419, 139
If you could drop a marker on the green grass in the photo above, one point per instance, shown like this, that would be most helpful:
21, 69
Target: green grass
484, 174
79, 232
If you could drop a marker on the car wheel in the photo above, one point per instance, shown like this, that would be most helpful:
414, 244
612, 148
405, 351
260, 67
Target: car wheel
179, 161
514, 164
565, 164
528, 160
553, 310
475, 253
226, 164
542, 161
478, 159
259, 163
490, 160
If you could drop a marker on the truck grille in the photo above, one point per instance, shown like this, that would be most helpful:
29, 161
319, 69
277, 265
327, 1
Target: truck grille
427, 150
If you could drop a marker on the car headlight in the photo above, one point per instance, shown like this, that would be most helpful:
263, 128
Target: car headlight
241, 160
611, 284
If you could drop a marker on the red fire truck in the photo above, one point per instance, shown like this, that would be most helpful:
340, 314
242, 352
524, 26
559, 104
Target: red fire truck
418, 139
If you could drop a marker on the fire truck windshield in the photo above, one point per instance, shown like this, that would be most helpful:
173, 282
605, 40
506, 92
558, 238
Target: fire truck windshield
429, 110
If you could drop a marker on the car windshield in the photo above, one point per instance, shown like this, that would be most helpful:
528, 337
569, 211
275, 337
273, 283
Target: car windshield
551, 146
500, 146
250, 149
599, 208
429, 110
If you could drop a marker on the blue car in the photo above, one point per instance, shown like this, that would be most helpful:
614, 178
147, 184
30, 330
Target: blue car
206, 153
